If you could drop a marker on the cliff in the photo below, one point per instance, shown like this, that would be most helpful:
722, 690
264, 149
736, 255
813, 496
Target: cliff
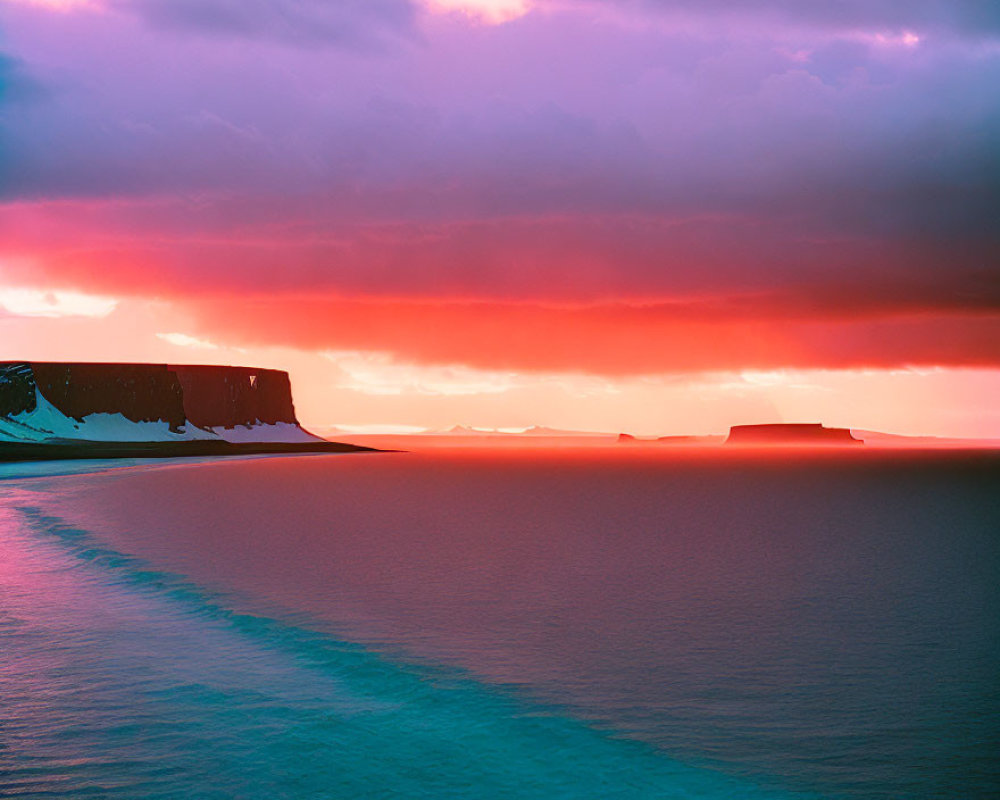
790, 434
44, 401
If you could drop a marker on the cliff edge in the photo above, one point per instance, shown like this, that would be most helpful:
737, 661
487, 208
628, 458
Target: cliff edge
96, 402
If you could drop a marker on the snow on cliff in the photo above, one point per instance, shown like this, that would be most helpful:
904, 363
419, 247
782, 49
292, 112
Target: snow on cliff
46, 423
156, 402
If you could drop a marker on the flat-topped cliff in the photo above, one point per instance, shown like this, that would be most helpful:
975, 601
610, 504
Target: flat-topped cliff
790, 434
45, 401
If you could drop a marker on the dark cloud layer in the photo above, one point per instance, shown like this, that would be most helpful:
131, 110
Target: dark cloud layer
604, 339
710, 174
302, 22
17, 86
977, 17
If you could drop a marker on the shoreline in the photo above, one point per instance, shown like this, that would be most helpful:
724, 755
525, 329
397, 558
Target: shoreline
15, 452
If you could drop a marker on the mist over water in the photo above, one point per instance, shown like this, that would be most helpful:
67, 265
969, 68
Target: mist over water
650, 624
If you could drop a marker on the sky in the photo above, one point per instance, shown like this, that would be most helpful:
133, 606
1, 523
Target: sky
653, 216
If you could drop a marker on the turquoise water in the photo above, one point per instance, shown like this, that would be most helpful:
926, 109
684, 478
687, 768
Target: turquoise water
205, 632
120, 680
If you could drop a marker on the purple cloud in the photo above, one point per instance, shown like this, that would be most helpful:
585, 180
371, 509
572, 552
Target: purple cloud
549, 156
975, 17
352, 23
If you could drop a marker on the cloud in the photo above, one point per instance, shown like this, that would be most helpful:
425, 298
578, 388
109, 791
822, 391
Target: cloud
774, 191
711, 268
58, 5
311, 23
379, 373
184, 340
491, 11
17, 86
53, 303
977, 17
612, 339
849, 142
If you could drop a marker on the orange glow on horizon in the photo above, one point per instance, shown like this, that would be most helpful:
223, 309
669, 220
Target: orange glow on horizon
363, 388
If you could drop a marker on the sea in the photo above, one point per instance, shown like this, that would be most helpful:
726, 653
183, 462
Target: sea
630, 623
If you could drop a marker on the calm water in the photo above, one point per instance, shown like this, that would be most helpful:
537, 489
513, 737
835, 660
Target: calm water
641, 624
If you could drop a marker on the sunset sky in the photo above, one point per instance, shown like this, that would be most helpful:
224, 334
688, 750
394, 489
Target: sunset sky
655, 216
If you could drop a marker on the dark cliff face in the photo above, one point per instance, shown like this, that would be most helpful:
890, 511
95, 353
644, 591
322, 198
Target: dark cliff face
230, 396
139, 392
17, 388
206, 396
781, 433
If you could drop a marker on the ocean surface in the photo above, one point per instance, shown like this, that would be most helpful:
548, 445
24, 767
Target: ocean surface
650, 623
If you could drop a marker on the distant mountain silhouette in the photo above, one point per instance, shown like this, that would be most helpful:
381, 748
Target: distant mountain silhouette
534, 430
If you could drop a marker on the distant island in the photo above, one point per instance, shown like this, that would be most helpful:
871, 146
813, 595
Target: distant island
790, 434
756, 435
54, 410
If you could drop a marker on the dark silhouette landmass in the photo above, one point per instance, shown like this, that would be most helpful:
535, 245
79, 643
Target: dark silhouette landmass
205, 396
791, 434
46, 412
